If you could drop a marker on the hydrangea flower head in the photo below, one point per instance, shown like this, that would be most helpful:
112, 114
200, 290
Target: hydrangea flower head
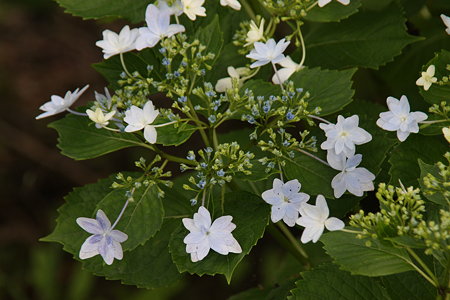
285, 200
344, 135
255, 33
352, 179
204, 236
113, 43
446, 21
100, 119
289, 67
315, 218
138, 119
427, 78
158, 27
234, 4
226, 83
104, 239
400, 119
194, 8
322, 3
269, 52
58, 104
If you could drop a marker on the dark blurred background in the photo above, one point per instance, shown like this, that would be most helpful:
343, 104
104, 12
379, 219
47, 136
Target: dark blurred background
44, 51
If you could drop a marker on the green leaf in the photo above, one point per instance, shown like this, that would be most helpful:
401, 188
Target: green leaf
280, 291
330, 90
438, 93
211, 37
141, 220
96, 9
327, 282
314, 176
354, 256
148, 266
80, 139
425, 169
403, 160
173, 136
333, 12
367, 39
407, 241
408, 285
250, 214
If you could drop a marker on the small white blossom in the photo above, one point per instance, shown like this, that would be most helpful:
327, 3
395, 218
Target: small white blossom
446, 21
113, 43
399, 119
322, 3
352, 179
194, 8
315, 218
176, 9
289, 67
104, 239
270, 52
255, 33
427, 78
226, 83
158, 27
344, 135
446, 132
58, 104
285, 200
234, 4
204, 236
100, 119
138, 119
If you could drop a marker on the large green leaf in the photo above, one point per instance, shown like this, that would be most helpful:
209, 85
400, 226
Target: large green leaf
327, 282
80, 139
354, 256
403, 160
333, 11
314, 176
250, 214
148, 266
408, 285
95, 9
211, 37
367, 39
141, 220
425, 169
330, 90
438, 93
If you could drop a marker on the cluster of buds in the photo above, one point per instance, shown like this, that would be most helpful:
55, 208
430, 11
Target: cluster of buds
440, 184
435, 234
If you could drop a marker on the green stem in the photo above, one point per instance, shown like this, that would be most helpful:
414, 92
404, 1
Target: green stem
303, 46
284, 242
312, 6
292, 239
122, 61
249, 10
423, 265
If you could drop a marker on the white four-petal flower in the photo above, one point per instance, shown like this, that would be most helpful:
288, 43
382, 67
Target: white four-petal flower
57, 104
427, 78
158, 27
446, 21
234, 4
285, 200
194, 8
269, 52
400, 119
315, 218
138, 119
289, 67
113, 43
226, 83
352, 179
204, 236
100, 119
104, 239
322, 3
344, 135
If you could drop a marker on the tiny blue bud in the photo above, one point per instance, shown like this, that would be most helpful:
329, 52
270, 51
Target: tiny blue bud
271, 165
165, 61
197, 107
123, 75
203, 165
210, 94
191, 156
176, 74
299, 90
291, 94
289, 116
184, 63
149, 68
286, 143
182, 99
208, 150
162, 50
221, 173
201, 184
202, 72
212, 119
193, 202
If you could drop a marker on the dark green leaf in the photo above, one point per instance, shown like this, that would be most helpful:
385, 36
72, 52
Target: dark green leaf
333, 11
409, 285
330, 90
173, 136
250, 214
367, 39
211, 37
425, 169
327, 282
354, 256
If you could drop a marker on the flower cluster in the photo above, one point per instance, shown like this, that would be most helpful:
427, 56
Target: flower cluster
441, 182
